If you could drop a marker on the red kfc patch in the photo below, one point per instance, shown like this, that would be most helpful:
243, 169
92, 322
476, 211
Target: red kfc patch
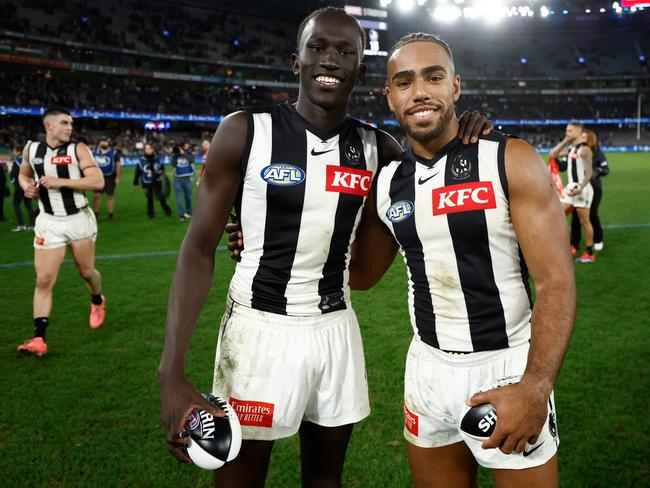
353, 181
39, 241
478, 195
410, 421
251, 413
61, 160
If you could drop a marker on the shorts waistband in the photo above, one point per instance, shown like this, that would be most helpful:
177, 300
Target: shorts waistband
287, 321
469, 358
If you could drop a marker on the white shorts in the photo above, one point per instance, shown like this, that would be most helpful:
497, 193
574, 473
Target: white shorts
582, 199
51, 231
277, 370
436, 387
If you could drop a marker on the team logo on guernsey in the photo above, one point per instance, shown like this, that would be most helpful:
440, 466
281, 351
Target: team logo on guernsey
255, 414
411, 421
37, 161
353, 181
62, 160
400, 211
461, 168
352, 154
464, 197
283, 174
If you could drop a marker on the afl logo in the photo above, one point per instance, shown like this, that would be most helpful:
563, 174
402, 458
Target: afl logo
400, 211
192, 421
283, 174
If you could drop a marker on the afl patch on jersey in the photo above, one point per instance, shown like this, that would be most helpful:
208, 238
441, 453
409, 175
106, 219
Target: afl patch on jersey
282, 174
400, 211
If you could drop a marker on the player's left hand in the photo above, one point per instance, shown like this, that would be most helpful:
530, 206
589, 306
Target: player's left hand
471, 125
50, 182
521, 413
574, 191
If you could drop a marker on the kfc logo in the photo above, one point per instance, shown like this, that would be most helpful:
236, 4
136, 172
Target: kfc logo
410, 421
348, 180
62, 160
462, 198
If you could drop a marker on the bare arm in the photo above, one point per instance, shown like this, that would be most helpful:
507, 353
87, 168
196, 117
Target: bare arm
194, 271
555, 152
26, 176
587, 157
542, 234
118, 169
91, 179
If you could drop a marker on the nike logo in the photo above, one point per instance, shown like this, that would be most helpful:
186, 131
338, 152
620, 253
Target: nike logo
318, 153
528, 453
422, 181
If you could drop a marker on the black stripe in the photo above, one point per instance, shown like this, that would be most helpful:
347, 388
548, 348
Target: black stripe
501, 166
402, 187
284, 206
67, 194
469, 235
574, 164
330, 287
43, 194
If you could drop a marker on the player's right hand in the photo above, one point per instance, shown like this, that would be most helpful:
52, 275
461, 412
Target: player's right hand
177, 399
235, 241
31, 191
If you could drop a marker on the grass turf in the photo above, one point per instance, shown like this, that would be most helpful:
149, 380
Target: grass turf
86, 414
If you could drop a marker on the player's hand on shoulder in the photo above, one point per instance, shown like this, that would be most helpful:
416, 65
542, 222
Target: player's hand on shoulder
521, 410
178, 398
471, 125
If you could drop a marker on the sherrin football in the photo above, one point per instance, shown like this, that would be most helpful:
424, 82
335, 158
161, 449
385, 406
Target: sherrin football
213, 441
478, 422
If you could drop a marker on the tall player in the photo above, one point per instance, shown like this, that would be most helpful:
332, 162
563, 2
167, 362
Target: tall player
468, 221
289, 357
57, 172
579, 193
109, 161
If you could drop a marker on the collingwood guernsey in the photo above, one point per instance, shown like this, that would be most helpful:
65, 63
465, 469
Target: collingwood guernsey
467, 280
60, 162
302, 194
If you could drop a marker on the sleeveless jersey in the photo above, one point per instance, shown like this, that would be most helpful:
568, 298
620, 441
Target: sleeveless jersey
106, 160
60, 162
575, 166
301, 198
467, 280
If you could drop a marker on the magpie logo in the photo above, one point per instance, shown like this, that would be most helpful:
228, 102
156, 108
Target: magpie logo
461, 168
352, 154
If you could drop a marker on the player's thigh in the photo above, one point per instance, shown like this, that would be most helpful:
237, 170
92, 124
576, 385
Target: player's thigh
83, 254
442, 467
47, 263
544, 476
322, 451
583, 215
249, 468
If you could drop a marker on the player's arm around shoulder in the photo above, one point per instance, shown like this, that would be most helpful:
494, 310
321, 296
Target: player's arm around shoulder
193, 276
542, 233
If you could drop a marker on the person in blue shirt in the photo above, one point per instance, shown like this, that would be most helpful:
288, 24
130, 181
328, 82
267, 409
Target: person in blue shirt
149, 172
183, 163
19, 194
109, 161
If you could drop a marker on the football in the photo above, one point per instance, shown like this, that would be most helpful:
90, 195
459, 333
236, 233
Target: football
213, 441
478, 422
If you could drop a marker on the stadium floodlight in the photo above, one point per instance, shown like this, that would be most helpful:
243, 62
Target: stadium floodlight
446, 13
459, 2
581, 60
523, 60
616, 5
544, 11
641, 57
384, 3
602, 10
421, 2
470, 13
405, 5
587, 10
565, 11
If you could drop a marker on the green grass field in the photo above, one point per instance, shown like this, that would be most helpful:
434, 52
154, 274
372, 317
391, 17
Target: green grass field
86, 414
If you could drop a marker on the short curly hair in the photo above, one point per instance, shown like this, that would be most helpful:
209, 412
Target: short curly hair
421, 37
327, 10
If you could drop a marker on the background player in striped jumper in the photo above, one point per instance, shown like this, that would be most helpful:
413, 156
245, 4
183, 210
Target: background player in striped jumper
579, 193
57, 172
464, 218
109, 161
289, 357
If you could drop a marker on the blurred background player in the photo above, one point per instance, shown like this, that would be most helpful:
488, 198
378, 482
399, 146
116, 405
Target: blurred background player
600, 169
149, 172
19, 195
183, 164
4, 189
109, 161
578, 193
57, 172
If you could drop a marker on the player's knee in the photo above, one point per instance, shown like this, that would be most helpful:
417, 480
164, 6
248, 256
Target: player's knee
45, 281
86, 273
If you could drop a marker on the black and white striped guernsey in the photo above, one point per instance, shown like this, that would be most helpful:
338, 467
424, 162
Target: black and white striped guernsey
576, 170
467, 280
60, 162
302, 194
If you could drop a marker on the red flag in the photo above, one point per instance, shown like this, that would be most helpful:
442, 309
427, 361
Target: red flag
555, 176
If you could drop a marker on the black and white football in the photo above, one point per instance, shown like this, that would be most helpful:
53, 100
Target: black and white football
479, 422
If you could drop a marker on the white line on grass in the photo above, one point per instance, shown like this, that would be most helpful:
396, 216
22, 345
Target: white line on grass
110, 257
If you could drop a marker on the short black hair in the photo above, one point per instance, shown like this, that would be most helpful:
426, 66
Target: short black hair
327, 10
421, 37
577, 123
56, 111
